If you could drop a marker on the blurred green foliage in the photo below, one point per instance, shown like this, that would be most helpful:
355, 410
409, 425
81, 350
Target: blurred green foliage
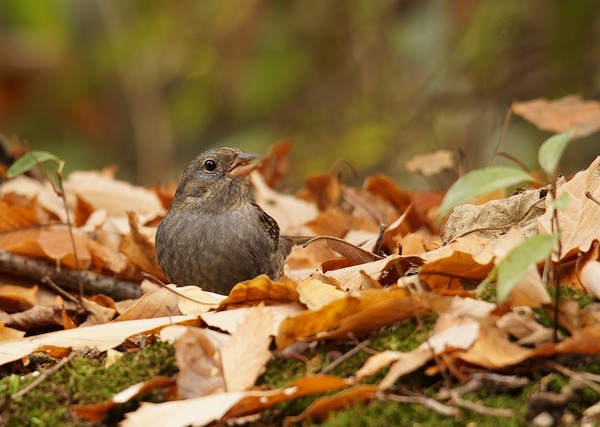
147, 84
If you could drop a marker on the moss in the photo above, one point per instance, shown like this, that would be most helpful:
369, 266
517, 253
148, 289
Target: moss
85, 381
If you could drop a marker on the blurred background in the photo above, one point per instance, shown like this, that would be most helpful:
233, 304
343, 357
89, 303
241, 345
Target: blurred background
358, 85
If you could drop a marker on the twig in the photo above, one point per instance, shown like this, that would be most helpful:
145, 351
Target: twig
46, 280
502, 135
592, 198
360, 346
68, 278
481, 409
427, 402
44, 376
60, 192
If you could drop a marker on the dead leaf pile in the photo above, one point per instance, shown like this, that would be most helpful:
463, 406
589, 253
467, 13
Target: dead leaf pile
376, 259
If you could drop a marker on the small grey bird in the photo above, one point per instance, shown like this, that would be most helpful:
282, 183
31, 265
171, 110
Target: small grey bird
214, 235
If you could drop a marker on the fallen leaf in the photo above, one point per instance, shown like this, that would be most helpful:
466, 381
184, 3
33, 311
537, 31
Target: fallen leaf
580, 221
360, 313
316, 294
102, 337
320, 409
561, 115
245, 355
430, 164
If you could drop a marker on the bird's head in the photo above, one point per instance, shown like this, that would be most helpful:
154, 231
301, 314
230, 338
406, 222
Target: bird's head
217, 178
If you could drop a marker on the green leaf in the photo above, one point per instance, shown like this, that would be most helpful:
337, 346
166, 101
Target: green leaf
561, 203
514, 266
481, 181
28, 161
552, 150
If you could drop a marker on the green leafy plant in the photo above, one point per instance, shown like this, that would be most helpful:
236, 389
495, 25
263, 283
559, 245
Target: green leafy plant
535, 249
35, 158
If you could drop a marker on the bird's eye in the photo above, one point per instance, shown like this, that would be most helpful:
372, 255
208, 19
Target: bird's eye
210, 165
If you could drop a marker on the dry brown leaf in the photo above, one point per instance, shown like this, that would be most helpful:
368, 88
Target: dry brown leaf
194, 300
493, 349
320, 409
138, 247
561, 114
386, 271
322, 190
15, 298
14, 217
200, 370
359, 314
96, 313
289, 211
521, 324
580, 222
349, 251
467, 262
492, 219
224, 406
229, 320
183, 413
316, 294
158, 303
336, 223
275, 165
261, 289
67, 322
451, 333
102, 191
102, 337
9, 334
245, 355
96, 411
590, 278
430, 164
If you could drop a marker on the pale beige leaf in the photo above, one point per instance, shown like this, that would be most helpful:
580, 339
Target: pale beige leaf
580, 222
491, 219
116, 197
229, 320
181, 413
200, 371
101, 337
561, 115
459, 334
521, 324
194, 300
590, 278
430, 164
245, 355
316, 294
290, 212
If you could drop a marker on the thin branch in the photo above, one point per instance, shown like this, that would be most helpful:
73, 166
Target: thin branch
502, 136
360, 346
44, 376
481, 409
425, 401
68, 278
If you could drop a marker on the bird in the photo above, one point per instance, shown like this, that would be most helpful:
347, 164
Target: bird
214, 235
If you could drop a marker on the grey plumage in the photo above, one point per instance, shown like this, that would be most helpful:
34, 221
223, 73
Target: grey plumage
214, 235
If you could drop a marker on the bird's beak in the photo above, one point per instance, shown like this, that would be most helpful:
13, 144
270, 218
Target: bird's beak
243, 165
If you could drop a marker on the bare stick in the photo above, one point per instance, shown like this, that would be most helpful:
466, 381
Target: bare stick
481, 409
67, 278
345, 356
425, 401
